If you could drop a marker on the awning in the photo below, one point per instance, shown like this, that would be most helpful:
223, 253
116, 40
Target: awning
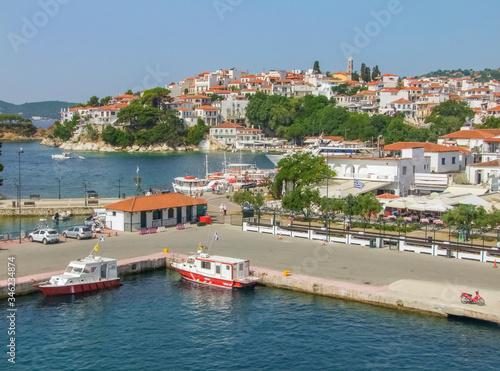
341, 188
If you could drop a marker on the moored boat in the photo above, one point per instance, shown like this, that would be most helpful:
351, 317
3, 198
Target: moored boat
191, 185
216, 270
82, 275
62, 156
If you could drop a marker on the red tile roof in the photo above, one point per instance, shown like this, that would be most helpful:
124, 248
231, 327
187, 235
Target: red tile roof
401, 101
228, 125
428, 147
493, 163
473, 134
155, 202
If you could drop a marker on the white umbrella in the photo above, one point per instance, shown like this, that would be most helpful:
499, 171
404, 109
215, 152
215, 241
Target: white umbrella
438, 207
397, 204
417, 207
474, 200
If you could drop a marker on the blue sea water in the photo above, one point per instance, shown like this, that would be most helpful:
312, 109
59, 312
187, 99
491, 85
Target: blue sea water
109, 174
159, 321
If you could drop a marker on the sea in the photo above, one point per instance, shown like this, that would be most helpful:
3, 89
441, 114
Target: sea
158, 321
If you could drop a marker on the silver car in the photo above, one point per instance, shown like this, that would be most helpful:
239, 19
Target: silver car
44, 235
78, 232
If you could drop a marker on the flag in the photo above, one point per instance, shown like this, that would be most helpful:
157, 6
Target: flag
200, 247
358, 184
216, 237
96, 248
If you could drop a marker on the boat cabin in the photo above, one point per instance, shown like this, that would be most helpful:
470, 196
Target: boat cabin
220, 267
87, 270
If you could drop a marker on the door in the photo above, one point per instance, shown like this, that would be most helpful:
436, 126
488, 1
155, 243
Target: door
104, 270
143, 220
189, 213
226, 271
179, 215
217, 269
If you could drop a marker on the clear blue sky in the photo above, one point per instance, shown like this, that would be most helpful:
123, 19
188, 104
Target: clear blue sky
82, 48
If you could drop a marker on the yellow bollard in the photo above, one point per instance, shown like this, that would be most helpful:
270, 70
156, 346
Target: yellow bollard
165, 251
286, 273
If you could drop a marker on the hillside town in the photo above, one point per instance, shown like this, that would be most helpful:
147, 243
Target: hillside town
468, 156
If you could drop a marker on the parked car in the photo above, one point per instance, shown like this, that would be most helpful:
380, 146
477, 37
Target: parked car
44, 235
91, 194
78, 232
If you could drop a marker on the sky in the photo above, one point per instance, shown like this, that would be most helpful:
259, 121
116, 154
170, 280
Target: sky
70, 50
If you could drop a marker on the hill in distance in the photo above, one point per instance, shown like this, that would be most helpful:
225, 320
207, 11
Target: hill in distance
49, 109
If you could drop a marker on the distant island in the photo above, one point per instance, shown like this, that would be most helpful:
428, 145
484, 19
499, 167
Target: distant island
49, 110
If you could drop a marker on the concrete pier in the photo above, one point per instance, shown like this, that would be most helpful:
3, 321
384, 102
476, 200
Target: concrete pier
390, 278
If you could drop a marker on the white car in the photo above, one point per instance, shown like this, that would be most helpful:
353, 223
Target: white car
78, 232
44, 235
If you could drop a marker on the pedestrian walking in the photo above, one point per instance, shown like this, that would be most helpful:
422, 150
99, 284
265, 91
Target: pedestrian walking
225, 210
221, 207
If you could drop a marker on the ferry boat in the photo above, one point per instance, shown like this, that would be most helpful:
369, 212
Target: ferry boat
216, 270
191, 185
82, 275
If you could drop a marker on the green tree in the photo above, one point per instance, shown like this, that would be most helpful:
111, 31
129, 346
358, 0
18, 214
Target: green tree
65, 130
186, 90
375, 72
368, 204
129, 92
216, 97
351, 207
138, 115
255, 199
355, 76
464, 217
104, 101
316, 67
299, 170
93, 101
489, 123
197, 133
451, 108
332, 206
155, 97
365, 73
92, 133
302, 200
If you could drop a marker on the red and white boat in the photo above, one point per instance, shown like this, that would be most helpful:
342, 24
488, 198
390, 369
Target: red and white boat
216, 270
82, 275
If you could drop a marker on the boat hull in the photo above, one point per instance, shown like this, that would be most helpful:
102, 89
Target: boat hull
78, 288
199, 278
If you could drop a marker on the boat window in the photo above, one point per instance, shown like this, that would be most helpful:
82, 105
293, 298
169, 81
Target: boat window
77, 270
228, 267
69, 269
205, 265
89, 270
240, 267
217, 269
190, 261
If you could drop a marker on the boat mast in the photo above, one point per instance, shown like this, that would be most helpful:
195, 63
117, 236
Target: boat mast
206, 166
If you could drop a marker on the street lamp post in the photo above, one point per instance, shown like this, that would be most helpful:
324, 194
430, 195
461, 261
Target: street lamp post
85, 194
59, 181
119, 186
19, 190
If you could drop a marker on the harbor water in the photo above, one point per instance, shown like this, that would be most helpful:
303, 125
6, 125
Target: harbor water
159, 321
109, 174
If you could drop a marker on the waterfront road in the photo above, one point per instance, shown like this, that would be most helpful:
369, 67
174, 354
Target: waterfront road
334, 261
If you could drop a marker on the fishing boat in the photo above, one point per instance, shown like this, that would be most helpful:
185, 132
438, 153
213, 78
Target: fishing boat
82, 275
62, 156
216, 270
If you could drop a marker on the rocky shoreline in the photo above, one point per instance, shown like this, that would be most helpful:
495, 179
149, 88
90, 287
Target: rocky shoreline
101, 146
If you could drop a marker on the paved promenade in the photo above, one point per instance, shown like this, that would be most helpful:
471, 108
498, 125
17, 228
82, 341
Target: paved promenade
401, 275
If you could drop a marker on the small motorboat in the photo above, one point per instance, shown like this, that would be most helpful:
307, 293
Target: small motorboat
82, 275
63, 215
216, 270
62, 156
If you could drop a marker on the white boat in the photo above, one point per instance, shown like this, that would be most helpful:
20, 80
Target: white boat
191, 185
88, 274
62, 156
216, 270
63, 215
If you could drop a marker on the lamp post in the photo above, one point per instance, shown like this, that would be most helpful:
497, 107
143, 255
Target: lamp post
119, 186
59, 181
85, 190
19, 190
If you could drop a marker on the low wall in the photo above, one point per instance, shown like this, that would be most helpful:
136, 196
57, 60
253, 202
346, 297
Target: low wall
44, 211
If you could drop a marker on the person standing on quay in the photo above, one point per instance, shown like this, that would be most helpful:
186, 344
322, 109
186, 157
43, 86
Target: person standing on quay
221, 207
225, 209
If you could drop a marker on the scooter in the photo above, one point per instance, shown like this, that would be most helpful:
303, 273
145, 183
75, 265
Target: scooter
469, 299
